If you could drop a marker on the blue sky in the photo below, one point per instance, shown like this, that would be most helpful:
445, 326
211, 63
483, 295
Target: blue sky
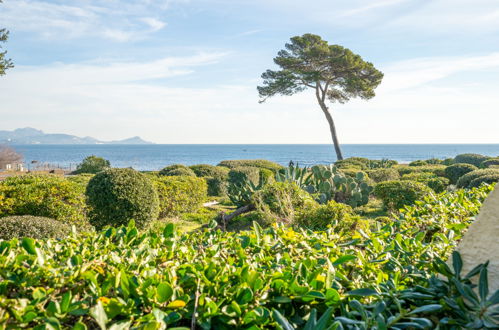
186, 71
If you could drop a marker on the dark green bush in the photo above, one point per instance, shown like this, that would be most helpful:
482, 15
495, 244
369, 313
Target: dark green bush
238, 175
118, 195
259, 163
448, 161
438, 170
383, 174
217, 186
418, 163
205, 170
434, 161
465, 180
177, 170
43, 195
92, 164
397, 194
488, 178
436, 183
473, 159
337, 215
352, 172
180, 194
358, 163
490, 162
31, 226
455, 171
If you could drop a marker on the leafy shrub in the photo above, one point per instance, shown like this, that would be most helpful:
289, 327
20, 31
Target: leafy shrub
448, 161
473, 159
337, 215
383, 174
177, 170
418, 163
278, 201
31, 226
179, 194
434, 161
259, 163
397, 194
81, 179
205, 170
43, 195
358, 163
436, 183
465, 180
352, 172
118, 195
217, 186
438, 170
238, 175
490, 162
92, 164
455, 171
488, 178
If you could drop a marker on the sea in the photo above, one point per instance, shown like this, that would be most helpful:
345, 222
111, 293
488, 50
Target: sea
150, 157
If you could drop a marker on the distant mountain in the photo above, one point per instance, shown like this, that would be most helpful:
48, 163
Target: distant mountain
30, 135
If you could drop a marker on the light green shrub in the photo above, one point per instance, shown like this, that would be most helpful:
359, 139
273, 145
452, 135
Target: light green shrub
397, 194
490, 162
455, 171
92, 164
438, 170
473, 159
180, 194
465, 180
488, 178
418, 163
383, 174
30, 226
337, 215
43, 195
260, 163
238, 175
205, 170
118, 195
177, 170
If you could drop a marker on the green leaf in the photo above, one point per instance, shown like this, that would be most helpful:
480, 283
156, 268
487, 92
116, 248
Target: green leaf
365, 292
79, 326
164, 292
99, 314
169, 230
281, 320
457, 262
29, 245
282, 300
344, 259
483, 284
426, 309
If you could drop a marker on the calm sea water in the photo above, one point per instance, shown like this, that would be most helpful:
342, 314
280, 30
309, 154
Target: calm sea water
156, 156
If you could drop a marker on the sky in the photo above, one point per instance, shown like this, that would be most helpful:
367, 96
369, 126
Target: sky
186, 71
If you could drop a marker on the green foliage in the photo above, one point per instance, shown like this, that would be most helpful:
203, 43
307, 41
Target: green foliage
436, 183
488, 178
92, 165
31, 226
336, 215
397, 194
43, 195
438, 170
205, 170
448, 161
81, 179
465, 180
419, 163
394, 277
259, 163
383, 174
177, 170
473, 159
456, 171
279, 201
238, 175
490, 162
5, 63
118, 195
361, 163
179, 194
435, 161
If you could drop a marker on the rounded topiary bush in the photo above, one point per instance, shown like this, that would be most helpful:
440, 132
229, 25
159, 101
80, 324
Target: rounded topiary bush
490, 162
338, 215
455, 171
259, 163
488, 178
177, 170
45, 196
92, 164
473, 159
465, 180
179, 194
238, 175
419, 163
383, 174
32, 226
438, 170
205, 170
396, 194
118, 195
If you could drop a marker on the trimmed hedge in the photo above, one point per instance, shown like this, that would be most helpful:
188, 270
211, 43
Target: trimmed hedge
118, 195
337, 215
465, 180
438, 170
177, 170
205, 170
259, 163
473, 159
179, 194
436, 183
92, 164
419, 163
45, 196
454, 172
31, 226
490, 162
488, 178
383, 174
238, 175
397, 194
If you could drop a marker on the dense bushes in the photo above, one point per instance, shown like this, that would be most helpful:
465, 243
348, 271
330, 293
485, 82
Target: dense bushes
179, 194
177, 170
455, 171
216, 177
31, 226
419, 163
336, 215
43, 195
473, 159
397, 194
116, 196
487, 178
465, 180
92, 164
259, 163
238, 175
490, 162
436, 183
383, 174
438, 170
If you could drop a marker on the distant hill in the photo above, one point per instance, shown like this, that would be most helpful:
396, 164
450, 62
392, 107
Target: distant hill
30, 135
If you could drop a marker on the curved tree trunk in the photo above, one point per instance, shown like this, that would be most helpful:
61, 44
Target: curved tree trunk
332, 128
